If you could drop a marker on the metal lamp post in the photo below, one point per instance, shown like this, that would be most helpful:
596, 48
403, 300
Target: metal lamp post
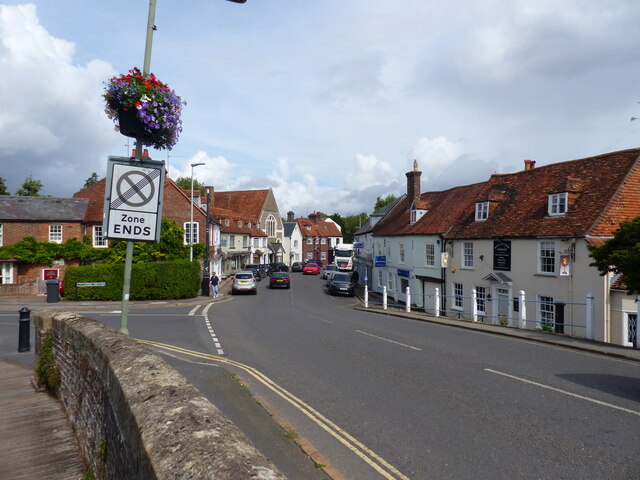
191, 223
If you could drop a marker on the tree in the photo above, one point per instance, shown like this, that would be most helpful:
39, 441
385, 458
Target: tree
383, 202
185, 183
621, 254
3, 187
30, 188
92, 180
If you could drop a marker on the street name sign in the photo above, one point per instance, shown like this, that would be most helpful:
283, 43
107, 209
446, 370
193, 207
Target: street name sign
133, 199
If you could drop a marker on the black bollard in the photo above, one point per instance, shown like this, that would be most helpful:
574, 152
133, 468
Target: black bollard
24, 345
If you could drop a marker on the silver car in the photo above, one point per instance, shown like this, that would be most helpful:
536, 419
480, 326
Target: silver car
244, 281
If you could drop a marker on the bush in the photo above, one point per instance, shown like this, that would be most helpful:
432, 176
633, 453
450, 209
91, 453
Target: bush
149, 281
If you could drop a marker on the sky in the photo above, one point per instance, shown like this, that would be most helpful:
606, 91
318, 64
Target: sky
327, 102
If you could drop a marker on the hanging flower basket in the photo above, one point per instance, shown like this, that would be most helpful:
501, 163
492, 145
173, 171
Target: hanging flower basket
144, 108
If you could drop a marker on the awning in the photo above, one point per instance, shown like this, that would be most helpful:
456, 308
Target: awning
498, 277
276, 247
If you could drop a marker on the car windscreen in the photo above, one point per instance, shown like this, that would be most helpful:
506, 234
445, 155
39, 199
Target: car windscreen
279, 275
342, 277
244, 276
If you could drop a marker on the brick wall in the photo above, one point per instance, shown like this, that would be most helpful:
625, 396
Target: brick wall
119, 394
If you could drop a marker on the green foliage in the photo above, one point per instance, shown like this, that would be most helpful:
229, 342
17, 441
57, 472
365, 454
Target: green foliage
185, 183
92, 180
383, 202
349, 224
3, 187
29, 250
170, 247
46, 370
30, 187
160, 280
621, 254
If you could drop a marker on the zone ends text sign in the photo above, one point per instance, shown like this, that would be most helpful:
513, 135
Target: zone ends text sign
133, 199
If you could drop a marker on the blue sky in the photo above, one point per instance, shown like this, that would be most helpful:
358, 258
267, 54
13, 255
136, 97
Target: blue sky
329, 101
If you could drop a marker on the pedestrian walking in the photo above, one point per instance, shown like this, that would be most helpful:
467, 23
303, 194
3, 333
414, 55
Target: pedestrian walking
214, 285
355, 276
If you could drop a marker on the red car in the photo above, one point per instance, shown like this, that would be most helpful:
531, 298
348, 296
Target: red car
311, 269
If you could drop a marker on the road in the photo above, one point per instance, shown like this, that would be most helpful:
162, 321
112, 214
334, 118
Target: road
386, 397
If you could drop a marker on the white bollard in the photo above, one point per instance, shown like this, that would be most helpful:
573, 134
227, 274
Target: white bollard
474, 305
407, 307
436, 302
589, 315
384, 297
523, 311
366, 296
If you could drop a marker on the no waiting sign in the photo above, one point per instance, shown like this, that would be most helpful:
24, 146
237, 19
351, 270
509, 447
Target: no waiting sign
133, 199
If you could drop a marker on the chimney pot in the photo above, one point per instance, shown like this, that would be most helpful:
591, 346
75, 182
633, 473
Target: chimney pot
529, 165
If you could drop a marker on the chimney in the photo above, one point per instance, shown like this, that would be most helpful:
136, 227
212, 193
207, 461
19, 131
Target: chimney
529, 165
314, 217
413, 183
227, 202
290, 216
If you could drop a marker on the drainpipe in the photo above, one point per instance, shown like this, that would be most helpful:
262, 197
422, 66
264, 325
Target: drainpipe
443, 276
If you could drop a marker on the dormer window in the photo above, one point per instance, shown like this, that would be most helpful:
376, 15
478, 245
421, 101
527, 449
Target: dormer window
249, 224
416, 214
239, 223
308, 227
557, 204
482, 211
226, 222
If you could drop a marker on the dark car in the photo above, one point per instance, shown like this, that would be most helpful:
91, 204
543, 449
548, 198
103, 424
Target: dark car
266, 269
342, 284
320, 263
280, 267
255, 268
297, 266
280, 280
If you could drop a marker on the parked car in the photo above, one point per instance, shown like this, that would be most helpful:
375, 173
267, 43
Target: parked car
266, 269
244, 281
330, 275
280, 280
255, 268
311, 269
280, 267
327, 269
297, 266
342, 283
319, 262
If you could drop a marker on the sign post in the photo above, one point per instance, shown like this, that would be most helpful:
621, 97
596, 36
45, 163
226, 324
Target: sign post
132, 209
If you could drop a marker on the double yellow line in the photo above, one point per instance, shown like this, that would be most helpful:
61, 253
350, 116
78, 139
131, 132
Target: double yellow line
376, 462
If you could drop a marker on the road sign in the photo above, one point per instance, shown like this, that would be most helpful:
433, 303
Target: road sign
133, 199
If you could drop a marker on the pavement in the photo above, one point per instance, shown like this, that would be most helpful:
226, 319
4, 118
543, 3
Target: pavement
35, 415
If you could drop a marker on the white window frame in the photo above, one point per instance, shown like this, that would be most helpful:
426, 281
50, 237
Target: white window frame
412, 220
239, 223
458, 296
1, 235
558, 204
98, 238
546, 312
309, 240
467, 255
390, 282
323, 255
401, 256
188, 232
6, 273
546, 254
482, 211
232, 241
380, 279
55, 232
481, 299
309, 255
271, 226
295, 244
627, 341
323, 241
226, 222
430, 255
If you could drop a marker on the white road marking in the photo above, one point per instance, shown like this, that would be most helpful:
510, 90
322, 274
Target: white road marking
388, 340
194, 310
564, 392
214, 337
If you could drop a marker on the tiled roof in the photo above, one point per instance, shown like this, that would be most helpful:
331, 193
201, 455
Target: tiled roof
242, 201
518, 202
42, 209
220, 215
319, 228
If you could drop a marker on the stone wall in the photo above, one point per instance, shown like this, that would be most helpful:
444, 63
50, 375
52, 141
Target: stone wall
135, 417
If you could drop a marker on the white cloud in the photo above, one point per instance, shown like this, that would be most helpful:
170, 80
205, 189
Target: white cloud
436, 154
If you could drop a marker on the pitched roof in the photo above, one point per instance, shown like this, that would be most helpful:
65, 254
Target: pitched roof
238, 223
318, 227
518, 202
289, 227
95, 196
242, 201
42, 209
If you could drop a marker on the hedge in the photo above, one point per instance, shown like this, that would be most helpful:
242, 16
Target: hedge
149, 281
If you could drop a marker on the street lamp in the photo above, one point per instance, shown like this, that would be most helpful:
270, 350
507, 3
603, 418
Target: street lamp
191, 223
